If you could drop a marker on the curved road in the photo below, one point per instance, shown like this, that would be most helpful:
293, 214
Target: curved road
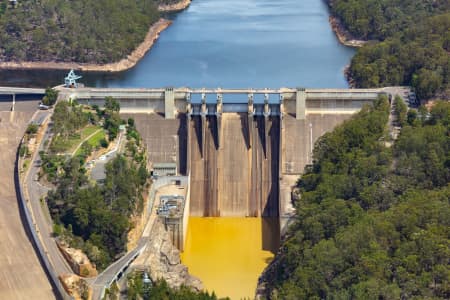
34, 192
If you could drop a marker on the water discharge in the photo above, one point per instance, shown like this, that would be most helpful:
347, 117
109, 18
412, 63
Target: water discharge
228, 254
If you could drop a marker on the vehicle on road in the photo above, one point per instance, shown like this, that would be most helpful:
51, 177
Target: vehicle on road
43, 107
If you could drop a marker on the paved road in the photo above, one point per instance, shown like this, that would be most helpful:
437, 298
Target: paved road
35, 191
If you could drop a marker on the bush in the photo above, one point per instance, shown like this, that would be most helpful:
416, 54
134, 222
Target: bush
401, 110
104, 143
50, 96
32, 129
23, 151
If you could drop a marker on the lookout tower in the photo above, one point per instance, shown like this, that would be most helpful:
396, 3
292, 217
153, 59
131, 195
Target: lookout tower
71, 79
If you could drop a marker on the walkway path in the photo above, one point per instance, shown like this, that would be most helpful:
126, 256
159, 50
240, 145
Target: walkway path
84, 140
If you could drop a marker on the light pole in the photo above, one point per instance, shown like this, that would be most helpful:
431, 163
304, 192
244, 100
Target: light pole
311, 142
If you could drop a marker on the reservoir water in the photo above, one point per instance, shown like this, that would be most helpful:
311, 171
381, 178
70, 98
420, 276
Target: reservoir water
232, 43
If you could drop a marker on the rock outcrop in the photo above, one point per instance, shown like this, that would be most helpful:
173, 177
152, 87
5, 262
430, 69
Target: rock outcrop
77, 260
162, 258
76, 286
343, 35
174, 7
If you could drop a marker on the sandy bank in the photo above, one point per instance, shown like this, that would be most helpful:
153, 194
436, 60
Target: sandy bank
344, 36
183, 4
122, 65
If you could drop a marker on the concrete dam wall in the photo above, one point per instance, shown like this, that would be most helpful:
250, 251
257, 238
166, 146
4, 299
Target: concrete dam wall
239, 176
242, 156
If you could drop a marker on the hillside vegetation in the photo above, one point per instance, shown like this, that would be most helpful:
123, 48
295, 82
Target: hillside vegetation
411, 43
372, 222
87, 215
94, 31
160, 290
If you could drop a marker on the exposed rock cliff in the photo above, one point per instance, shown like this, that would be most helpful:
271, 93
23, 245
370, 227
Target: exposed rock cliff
163, 260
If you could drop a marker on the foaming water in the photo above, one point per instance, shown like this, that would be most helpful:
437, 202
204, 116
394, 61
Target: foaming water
229, 254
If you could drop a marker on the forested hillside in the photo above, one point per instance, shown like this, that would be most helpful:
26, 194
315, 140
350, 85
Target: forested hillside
94, 31
87, 215
410, 43
372, 222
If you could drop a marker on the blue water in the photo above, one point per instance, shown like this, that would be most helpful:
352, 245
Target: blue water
237, 44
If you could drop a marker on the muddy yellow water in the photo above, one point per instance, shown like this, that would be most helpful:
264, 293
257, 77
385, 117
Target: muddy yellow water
228, 254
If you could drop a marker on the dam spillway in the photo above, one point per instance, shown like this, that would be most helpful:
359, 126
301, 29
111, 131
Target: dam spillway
238, 177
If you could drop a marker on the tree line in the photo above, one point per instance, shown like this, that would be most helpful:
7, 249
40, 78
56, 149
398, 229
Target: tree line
86, 31
87, 215
409, 43
372, 222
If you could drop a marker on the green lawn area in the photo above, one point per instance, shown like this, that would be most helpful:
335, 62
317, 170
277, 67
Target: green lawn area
94, 140
72, 143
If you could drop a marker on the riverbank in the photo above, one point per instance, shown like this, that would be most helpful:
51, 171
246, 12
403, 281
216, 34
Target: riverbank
122, 65
175, 7
343, 35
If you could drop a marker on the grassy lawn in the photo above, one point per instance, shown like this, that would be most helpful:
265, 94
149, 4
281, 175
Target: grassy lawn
75, 140
94, 140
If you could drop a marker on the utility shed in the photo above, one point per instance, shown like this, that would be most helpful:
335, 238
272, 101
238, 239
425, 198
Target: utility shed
164, 169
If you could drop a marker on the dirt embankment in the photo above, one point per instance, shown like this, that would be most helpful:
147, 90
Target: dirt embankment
122, 65
174, 7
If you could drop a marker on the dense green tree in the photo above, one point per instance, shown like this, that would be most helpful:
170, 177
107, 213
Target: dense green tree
401, 110
371, 222
161, 291
87, 31
50, 96
111, 105
409, 43
112, 117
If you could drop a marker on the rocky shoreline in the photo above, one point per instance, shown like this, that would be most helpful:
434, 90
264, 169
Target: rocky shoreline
122, 65
175, 7
343, 35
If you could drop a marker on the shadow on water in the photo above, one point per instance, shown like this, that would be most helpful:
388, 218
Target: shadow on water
270, 231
